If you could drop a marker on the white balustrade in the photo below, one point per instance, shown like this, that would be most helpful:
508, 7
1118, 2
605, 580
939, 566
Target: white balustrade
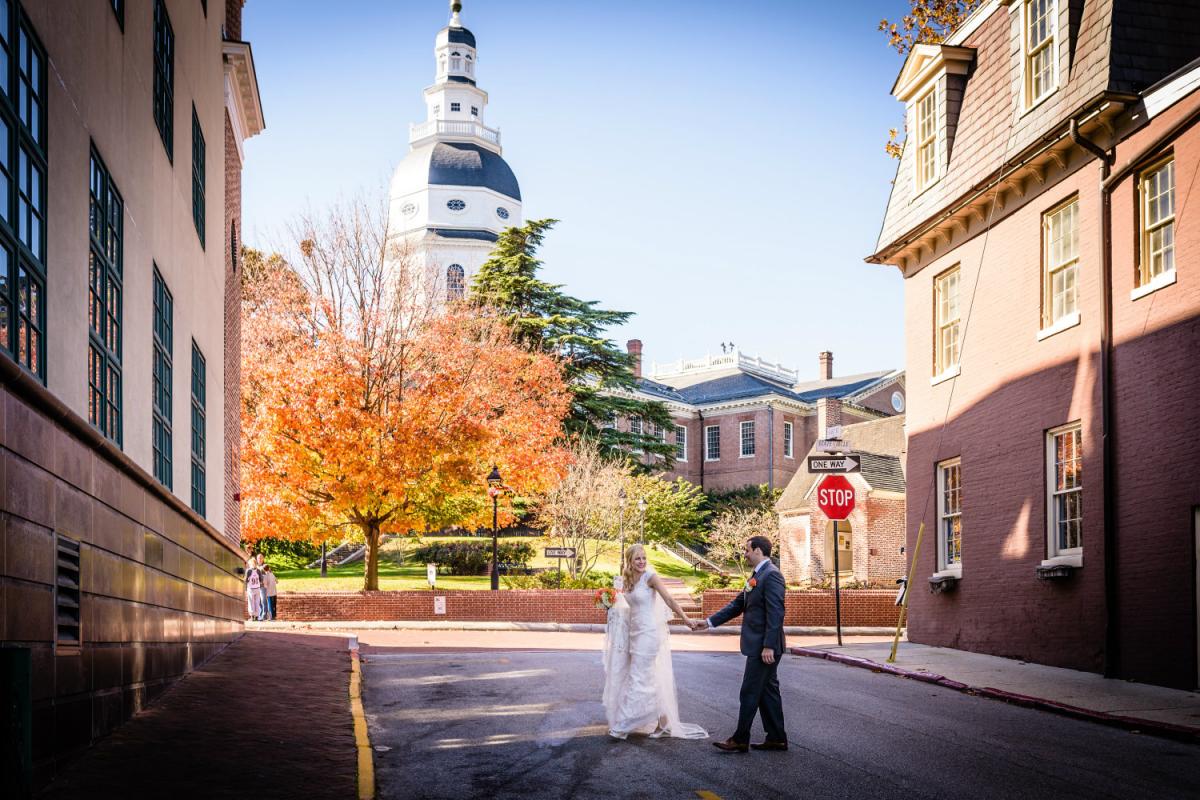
451, 127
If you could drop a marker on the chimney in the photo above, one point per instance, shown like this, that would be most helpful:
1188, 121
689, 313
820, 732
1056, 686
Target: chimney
826, 360
829, 413
634, 346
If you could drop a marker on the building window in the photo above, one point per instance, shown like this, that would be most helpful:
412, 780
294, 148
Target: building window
680, 443
635, 429
455, 66
198, 431
1064, 470
437, 110
456, 205
22, 191
927, 131
474, 111
1060, 232
118, 7
1158, 222
947, 321
164, 77
197, 175
104, 301
456, 282
163, 373
950, 515
712, 443
1041, 17
787, 440
456, 106
747, 429
233, 247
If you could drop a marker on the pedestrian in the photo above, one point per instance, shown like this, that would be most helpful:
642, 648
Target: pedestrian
270, 583
253, 590
262, 588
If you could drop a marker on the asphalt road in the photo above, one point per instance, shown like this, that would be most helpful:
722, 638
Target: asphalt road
508, 724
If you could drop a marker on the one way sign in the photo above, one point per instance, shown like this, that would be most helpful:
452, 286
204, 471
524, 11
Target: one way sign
834, 463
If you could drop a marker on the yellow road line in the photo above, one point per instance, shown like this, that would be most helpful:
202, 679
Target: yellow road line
366, 763
705, 794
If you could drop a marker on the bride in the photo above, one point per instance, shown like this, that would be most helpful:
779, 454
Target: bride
639, 682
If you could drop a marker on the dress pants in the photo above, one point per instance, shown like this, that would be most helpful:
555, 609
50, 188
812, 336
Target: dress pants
760, 694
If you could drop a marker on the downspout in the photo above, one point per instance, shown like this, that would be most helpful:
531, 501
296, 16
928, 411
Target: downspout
1107, 433
770, 449
703, 446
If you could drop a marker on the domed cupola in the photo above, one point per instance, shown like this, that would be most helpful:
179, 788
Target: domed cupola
453, 192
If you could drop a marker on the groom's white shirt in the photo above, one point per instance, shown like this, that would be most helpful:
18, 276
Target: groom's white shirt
761, 564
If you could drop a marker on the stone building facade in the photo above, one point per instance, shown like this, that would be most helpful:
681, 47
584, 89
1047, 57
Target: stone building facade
118, 413
741, 421
1053, 314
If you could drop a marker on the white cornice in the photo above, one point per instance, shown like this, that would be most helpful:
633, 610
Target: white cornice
241, 91
926, 63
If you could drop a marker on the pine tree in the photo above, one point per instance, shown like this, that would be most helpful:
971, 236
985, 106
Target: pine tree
546, 319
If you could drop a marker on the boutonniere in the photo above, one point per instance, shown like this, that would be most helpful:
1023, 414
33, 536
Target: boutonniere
750, 584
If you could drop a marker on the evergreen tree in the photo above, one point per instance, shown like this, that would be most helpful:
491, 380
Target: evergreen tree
600, 374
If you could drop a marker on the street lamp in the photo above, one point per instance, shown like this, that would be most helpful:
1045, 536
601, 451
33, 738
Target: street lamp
495, 486
642, 514
621, 522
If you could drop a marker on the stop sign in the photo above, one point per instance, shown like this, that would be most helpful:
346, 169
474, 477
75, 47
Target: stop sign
835, 497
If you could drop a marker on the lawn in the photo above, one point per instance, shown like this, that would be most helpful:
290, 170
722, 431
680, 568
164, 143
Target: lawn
397, 573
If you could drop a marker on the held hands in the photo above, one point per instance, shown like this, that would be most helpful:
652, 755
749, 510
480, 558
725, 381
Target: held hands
698, 624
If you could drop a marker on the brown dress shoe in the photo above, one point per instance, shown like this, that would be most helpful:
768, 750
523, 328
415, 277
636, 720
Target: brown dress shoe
770, 746
730, 746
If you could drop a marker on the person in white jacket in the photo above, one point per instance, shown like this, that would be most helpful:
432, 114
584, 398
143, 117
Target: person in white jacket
253, 590
270, 583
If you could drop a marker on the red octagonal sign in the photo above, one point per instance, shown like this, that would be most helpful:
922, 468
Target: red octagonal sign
835, 497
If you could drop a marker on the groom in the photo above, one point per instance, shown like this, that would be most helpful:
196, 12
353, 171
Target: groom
761, 603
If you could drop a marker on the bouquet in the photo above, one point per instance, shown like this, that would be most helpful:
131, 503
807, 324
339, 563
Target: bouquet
606, 598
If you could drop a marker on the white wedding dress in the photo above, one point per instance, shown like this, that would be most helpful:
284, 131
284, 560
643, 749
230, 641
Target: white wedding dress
639, 682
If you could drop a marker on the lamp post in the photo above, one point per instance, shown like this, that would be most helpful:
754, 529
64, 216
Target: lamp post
495, 486
621, 522
642, 514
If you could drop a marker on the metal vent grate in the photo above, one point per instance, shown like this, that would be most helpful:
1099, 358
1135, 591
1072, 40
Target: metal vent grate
66, 596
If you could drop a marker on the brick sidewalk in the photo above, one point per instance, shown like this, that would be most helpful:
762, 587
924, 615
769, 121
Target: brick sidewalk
268, 717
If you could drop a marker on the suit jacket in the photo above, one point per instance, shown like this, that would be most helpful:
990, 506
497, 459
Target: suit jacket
762, 611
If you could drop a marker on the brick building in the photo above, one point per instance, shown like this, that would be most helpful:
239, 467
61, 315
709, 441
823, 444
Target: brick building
1052, 294
118, 381
870, 541
741, 421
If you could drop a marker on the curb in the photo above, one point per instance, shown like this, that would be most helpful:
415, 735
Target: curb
542, 627
362, 741
1167, 730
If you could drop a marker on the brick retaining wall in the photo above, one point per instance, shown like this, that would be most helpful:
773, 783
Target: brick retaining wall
866, 607
860, 607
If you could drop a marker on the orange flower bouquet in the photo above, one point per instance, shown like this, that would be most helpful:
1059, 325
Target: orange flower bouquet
606, 598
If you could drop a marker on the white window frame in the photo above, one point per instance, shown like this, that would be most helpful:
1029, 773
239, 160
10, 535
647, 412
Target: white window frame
787, 440
1060, 264
1048, 45
708, 455
944, 324
681, 443
742, 439
1164, 224
1057, 555
927, 141
946, 515
636, 428
456, 106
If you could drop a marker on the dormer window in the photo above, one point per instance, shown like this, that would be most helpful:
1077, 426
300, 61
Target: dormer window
456, 62
474, 111
1041, 74
927, 132
470, 66
456, 106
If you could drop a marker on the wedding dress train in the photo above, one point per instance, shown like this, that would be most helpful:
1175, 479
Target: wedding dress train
639, 681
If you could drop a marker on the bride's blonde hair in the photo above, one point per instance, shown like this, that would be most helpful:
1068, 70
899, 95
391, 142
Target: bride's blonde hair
628, 576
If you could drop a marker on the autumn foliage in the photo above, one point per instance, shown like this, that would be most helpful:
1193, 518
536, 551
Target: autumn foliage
366, 408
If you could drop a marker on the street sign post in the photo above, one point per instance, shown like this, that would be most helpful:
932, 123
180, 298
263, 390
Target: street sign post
831, 446
560, 553
835, 498
835, 464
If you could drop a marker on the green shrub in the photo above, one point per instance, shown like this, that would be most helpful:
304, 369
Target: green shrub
471, 558
712, 580
553, 579
285, 553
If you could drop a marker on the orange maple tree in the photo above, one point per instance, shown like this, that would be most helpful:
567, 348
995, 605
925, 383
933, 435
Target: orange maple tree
366, 407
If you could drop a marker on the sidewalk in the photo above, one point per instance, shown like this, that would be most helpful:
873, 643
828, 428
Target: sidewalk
540, 627
1085, 695
268, 717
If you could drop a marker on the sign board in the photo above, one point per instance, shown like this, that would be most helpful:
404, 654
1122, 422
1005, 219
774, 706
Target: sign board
431, 574
439, 604
560, 552
835, 497
833, 432
832, 446
834, 464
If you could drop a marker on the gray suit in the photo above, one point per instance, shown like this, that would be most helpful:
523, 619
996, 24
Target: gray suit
761, 609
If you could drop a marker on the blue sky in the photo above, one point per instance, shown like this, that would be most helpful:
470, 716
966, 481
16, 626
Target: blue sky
718, 167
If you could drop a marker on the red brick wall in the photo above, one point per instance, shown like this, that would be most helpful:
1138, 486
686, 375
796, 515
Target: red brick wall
507, 605
860, 607
233, 332
732, 471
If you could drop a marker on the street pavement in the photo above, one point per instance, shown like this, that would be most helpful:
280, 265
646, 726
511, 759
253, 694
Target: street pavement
522, 723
